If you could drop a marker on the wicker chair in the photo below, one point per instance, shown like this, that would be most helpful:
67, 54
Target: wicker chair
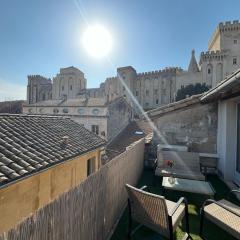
155, 212
223, 213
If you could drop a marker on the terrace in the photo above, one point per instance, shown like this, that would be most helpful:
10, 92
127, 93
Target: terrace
195, 202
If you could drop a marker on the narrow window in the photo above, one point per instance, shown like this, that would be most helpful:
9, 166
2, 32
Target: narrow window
235, 41
156, 101
71, 87
209, 71
136, 93
123, 88
147, 93
90, 166
62, 88
234, 61
95, 129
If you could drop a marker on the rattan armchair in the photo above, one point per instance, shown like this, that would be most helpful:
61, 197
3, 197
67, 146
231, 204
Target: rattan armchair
156, 212
223, 213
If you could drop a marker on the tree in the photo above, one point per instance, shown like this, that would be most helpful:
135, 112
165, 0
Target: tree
190, 90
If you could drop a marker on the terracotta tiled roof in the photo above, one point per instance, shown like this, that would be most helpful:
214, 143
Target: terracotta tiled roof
32, 143
127, 137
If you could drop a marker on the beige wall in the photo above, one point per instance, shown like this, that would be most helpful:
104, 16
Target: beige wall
24, 197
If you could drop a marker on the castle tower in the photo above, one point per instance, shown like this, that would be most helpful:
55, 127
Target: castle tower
39, 88
193, 66
68, 83
223, 57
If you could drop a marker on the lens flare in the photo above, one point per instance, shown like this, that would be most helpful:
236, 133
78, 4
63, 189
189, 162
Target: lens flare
97, 41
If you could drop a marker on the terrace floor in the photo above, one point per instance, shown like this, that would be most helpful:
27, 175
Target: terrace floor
195, 201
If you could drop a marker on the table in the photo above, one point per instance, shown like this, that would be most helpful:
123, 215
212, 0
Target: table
187, 185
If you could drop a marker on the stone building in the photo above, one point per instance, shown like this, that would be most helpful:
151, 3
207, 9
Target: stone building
149, 89
105, 119
207, 123
39, 89
68, 83
158, 88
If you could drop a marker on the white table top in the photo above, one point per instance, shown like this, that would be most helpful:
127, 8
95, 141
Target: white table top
187, 185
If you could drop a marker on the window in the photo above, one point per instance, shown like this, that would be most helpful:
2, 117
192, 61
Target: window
234, 61
157, 101
81, 111
95, 129
155, 91
95, 111
90, 166
147, 93
136, 93
123, 88
62, 88
209, 71
55, 110
71, 87
235, 41
65, 110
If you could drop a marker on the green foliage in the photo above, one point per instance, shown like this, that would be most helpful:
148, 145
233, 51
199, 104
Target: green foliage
190, 90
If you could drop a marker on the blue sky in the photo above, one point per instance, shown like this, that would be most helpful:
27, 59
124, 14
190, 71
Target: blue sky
40, 37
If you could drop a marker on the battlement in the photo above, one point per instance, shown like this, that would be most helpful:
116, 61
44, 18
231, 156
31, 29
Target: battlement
38, 78
229, 26
221, 28
109, 79
157, 72
213, 55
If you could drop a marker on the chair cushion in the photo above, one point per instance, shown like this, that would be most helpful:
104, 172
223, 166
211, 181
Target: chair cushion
223, 218
178, 215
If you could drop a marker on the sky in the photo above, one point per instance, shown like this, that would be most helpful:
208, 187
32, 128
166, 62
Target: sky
40, 37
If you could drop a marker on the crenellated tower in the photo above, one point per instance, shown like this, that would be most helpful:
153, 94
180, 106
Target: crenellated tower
223, 55
39, 88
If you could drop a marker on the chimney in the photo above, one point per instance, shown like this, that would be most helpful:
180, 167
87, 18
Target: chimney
64, 142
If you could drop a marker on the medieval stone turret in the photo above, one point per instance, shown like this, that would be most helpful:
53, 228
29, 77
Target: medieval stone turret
193, 66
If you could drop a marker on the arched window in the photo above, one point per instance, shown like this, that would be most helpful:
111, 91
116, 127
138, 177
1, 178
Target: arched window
209, 74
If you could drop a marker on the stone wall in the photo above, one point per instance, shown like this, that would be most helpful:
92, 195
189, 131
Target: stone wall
119, 116
194, 126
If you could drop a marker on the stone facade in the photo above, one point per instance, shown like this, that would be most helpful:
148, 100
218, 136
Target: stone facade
189, 123
149, 89
69, 83
39, 89
158, 88
106, 119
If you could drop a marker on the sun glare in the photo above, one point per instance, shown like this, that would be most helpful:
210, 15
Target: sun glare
97, 41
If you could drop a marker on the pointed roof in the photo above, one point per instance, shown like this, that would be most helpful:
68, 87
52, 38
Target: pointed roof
193, 66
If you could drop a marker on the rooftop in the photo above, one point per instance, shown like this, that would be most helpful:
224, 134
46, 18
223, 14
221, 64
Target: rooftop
31, 143
195, 202
129, 135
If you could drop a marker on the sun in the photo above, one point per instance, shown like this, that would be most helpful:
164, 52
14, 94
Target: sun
97, 41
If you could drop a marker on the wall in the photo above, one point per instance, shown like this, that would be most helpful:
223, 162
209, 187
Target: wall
187, 78
227, 138
92, 209
194, 126
24, 197
119, 116
87, 118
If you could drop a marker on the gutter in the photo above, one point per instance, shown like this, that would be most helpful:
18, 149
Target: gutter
221, 86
